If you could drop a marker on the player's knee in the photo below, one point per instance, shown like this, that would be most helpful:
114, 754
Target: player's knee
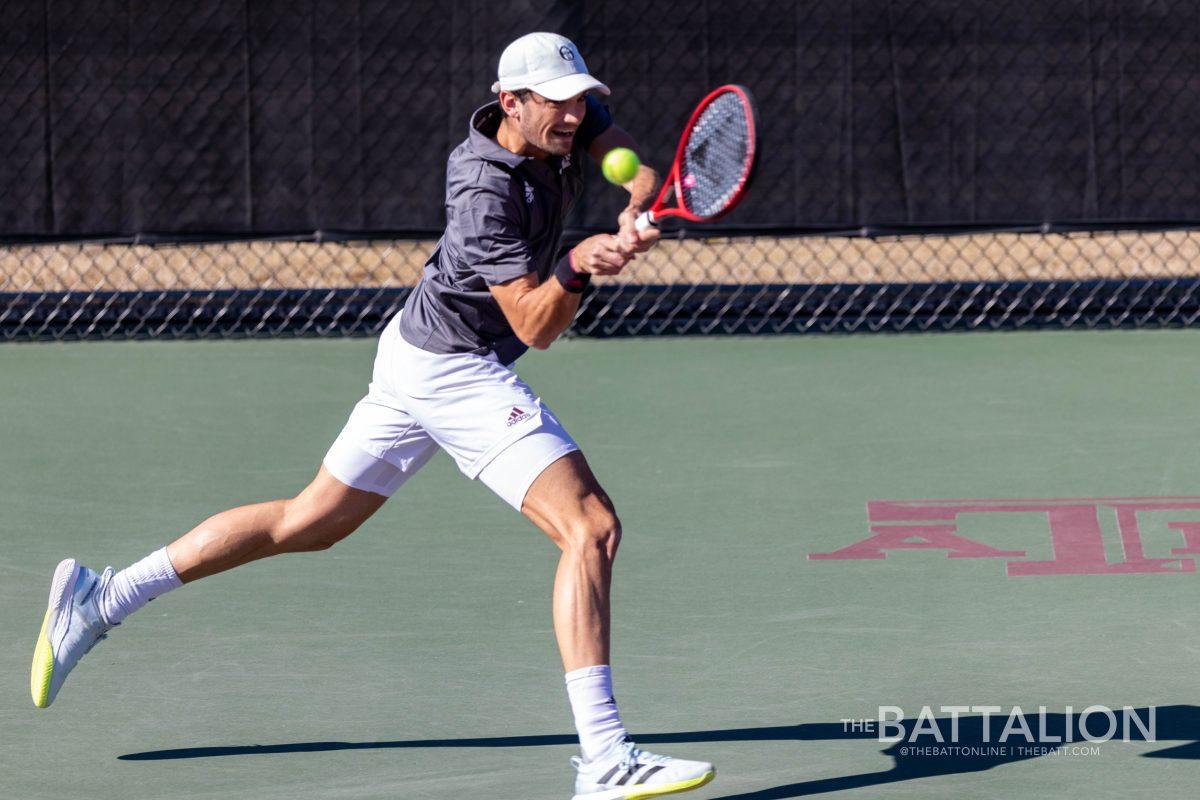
598, 532
612, 538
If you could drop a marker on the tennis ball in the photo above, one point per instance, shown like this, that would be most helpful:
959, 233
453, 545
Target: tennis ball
620, 165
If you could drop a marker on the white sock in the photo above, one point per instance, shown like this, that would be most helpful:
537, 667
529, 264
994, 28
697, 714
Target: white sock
595, 710
138, 584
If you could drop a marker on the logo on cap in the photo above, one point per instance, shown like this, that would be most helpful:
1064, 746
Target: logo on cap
566, 53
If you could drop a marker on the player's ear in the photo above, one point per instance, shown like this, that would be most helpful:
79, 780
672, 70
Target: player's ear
510, 104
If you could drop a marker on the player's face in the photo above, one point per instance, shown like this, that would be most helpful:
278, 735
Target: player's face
549, 125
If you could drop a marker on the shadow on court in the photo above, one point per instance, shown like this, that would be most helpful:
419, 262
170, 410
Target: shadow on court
975, 751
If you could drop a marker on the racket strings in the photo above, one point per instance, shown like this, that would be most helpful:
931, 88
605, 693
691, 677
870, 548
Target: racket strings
715, 158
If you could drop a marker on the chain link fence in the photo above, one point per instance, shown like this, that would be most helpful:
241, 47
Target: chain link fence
949, 128
690, 284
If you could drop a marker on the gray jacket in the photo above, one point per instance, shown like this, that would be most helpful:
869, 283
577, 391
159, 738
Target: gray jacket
504, 219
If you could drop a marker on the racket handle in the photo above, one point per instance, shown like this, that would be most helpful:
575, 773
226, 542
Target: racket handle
644, 221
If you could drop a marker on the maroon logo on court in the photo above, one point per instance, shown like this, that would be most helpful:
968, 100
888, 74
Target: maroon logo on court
1073, 539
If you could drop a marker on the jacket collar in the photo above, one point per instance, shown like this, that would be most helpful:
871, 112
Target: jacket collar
484, 124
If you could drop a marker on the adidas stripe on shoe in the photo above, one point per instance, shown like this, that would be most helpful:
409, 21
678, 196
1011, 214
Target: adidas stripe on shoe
633, 774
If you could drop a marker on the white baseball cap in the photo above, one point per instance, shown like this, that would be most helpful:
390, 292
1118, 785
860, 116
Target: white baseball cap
548, 64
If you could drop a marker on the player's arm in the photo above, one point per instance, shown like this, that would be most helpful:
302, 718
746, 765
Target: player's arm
642, 189
644, 186
539, 312
487, 214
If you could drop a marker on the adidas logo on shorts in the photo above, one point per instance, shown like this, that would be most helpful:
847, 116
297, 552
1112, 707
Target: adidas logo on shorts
516, 416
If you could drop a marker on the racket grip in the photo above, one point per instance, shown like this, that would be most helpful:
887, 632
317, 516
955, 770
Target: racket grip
645, 220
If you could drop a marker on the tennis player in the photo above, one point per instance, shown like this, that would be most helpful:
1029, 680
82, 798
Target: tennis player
494, 286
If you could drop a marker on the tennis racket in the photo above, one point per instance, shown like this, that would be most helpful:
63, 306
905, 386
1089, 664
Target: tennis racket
713, 162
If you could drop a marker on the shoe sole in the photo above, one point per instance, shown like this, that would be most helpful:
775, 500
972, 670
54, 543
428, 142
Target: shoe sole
62, 587
644, 792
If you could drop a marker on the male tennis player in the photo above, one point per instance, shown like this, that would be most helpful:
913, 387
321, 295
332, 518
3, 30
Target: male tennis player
494, 286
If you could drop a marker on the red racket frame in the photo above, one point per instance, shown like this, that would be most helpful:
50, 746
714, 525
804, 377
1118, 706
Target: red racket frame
673, 180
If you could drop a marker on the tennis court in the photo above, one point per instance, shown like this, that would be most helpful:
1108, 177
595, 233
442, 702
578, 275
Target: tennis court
416, 658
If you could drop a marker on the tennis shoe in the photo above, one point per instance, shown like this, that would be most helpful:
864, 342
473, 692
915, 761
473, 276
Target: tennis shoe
629, 773
72, 626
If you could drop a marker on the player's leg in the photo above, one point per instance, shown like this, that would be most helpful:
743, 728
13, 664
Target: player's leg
545, 476
84, 605
497, 430
326, 512
379, 448
567, 503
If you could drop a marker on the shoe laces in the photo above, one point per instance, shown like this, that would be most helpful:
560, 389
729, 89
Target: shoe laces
633, 756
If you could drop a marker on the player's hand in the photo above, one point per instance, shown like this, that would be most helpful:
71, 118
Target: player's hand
633, 240
602, 254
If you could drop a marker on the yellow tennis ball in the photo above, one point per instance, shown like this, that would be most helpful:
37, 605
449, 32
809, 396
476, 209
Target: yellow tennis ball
620, 165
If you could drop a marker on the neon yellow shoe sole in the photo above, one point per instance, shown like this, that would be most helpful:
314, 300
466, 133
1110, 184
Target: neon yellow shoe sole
43, 665
672, 788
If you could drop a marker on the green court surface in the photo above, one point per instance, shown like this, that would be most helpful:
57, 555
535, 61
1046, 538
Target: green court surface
416, 660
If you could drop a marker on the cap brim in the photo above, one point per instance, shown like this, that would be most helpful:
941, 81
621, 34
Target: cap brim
569, 86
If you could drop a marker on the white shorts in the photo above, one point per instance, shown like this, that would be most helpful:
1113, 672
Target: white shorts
473, 407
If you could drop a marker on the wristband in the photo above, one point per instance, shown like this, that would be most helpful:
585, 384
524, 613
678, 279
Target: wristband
573, 281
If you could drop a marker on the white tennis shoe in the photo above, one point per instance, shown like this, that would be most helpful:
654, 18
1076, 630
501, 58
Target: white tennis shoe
633, 774
72, 626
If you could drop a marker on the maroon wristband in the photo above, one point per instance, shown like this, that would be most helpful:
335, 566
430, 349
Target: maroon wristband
571, 280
